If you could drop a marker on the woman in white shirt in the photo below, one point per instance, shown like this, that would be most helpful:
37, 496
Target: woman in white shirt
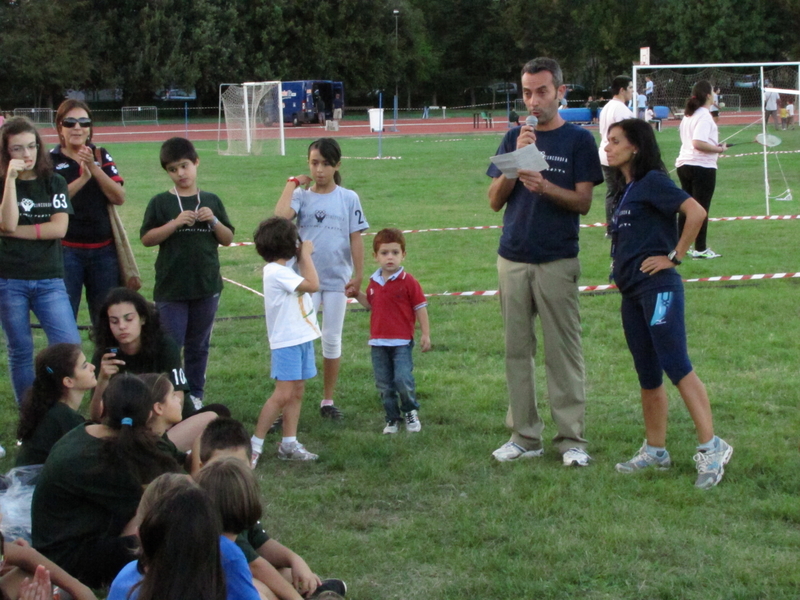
697, 160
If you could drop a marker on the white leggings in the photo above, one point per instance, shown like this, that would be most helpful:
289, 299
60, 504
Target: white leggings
334, 305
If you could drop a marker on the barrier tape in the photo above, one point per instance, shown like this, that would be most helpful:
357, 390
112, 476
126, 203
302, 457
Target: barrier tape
584, 225
585, 288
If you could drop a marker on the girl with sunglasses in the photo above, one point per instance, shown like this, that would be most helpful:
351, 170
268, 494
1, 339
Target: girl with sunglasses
33, 218
90, 257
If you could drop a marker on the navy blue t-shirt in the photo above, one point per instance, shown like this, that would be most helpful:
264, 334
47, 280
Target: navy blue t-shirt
644, 225
535, 229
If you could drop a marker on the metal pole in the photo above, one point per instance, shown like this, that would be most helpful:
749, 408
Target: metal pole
396, 82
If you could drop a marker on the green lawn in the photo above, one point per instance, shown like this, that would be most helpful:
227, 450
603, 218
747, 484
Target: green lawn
432, 515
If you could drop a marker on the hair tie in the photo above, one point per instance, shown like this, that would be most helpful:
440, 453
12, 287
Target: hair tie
49, 370
127, 421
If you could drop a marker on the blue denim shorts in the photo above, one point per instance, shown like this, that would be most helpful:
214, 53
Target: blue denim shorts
293, 363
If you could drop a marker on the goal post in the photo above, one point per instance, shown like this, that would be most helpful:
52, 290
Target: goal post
134, 115
745, 84
253, 114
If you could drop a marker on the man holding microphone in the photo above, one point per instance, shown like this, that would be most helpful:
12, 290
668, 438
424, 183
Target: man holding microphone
538, 267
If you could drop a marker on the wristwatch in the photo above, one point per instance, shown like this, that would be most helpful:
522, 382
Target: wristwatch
673, 256
296, 181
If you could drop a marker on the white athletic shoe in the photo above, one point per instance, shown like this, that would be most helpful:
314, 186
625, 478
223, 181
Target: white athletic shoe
511, 451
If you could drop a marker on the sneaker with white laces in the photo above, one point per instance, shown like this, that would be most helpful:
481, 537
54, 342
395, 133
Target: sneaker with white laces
511, 451
391, 427
707, 253
711, 464
295, 451
643, 460
330, 411
576, 457
413, 423
254, 459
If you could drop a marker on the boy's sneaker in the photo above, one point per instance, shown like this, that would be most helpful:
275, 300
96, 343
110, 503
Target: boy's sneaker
711, 465
254, 459
277, 425
413, 423
391, 427
576, 457
295, 451
329, 411
707, 253
511, 451
643, 460
332, 588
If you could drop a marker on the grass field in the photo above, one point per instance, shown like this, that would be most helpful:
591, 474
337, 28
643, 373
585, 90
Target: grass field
432, 515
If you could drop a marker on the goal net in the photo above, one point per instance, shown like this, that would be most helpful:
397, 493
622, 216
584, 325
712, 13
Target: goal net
253, 114
40, 116
134, 115
743, 91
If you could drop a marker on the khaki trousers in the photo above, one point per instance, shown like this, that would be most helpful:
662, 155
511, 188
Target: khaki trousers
549, 290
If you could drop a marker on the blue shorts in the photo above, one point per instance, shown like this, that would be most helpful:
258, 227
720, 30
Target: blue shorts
293, 363
656, 335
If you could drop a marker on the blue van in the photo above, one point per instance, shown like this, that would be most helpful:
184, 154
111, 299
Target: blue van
300, 98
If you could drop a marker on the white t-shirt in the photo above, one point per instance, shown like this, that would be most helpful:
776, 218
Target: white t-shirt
328, 220
790, 109
771, 101
700, 126
613, 112
291, 319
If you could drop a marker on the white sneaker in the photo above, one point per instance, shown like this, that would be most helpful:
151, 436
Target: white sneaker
576, 457
707, 253
295, 451
391, 427
413, 423
711, 464
511, 451
254, 459
196, 402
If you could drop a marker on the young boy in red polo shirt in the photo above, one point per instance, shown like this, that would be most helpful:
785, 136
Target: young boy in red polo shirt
396, 301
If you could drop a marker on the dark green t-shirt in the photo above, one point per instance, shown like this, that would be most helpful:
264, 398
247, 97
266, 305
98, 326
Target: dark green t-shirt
58, 421
187, 267
166, 359
79, 499
38, 200
251, 540
167, 446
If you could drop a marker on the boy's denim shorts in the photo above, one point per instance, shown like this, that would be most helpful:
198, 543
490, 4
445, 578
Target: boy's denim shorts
293, 363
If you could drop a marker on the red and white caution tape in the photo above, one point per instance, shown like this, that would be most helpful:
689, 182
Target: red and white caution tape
587, 288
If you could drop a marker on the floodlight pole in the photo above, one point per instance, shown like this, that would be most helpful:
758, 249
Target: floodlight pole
396, 83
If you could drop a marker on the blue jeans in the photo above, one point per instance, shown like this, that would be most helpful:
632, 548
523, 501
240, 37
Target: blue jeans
48, 300
97, 269
393, 366
190, 324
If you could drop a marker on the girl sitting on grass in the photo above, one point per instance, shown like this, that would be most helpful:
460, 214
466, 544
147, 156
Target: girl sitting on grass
50, 408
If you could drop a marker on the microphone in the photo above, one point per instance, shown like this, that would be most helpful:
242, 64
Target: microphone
532, 121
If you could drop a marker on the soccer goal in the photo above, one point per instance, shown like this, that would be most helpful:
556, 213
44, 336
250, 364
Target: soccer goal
253, 114
136, 115
745, 86
40, 116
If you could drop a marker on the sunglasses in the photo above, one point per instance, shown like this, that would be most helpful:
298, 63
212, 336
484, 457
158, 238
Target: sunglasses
70, 122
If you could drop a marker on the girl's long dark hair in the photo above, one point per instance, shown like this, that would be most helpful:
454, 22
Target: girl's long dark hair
127, 398
43, 167
151, 328
648, 155
52, 365
180, 559
330, 150
700, 93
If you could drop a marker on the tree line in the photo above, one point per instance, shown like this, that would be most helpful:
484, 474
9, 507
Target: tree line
433, 52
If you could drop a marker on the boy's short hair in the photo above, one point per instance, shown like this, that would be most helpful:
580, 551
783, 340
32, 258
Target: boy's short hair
390, 235
276, 238
175, 149
233, 490
621, 82
224, 433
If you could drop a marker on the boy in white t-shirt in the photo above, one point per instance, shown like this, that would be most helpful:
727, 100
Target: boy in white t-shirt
292, 327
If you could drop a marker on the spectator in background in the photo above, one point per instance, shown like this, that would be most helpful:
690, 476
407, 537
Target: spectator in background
614, 111
641, 105
771, 102
338, 108
594, 107
649, 89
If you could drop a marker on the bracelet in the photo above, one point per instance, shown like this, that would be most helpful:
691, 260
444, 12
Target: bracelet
297, 183
214, 222
38, 228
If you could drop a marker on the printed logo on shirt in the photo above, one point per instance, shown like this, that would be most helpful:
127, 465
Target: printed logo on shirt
62, 166
27, 204
320, 215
